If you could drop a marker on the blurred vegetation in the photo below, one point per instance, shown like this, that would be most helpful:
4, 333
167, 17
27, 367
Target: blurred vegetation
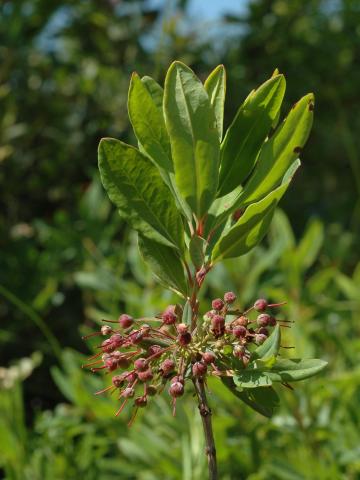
67, 260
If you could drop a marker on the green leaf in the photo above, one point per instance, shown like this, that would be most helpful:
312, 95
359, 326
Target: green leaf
146, 116
250, 229
270, 347
191, 124
187, 314
295, 369
248, 132
134, 185
197, 250
155, 90
280, 151
251, 379
215, 85
263, 400
165, 263
310, 244
148, 124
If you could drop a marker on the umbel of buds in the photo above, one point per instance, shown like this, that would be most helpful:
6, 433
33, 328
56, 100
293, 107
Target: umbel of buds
143, 358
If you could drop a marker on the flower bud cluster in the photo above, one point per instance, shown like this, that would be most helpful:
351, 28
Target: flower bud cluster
146, 359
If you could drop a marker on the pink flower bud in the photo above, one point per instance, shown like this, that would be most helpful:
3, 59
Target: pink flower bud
182, 328
167, 366
140, 364
239, 331
184, 339
229, 297
176, 389
260, 305
125, 321
146, 375
217, 304
263, 320
199, 369
209, 357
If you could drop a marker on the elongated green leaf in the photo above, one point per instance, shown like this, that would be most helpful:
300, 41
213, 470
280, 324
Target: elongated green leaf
295, 369
187, 313
165, 263
280, 151
215, 85
310, 244
248, 132
191, 124
270, 347
135, 186
146, 115
263, 400
251, 379
156, 91
197, 250
250, 229
148, 124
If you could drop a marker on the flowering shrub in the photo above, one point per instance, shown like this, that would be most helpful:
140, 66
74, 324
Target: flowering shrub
196, 198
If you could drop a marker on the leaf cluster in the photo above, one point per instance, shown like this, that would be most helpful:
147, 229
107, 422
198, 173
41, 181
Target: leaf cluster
193, 194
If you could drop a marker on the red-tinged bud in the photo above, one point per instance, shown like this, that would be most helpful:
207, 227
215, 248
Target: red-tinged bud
239, 351
209, 357
176, 389
217, 322
130, 377
169, 316
153, 349
111, 364
128, 392
272, 321
125, 321
116, 340
218, 325
260, 305
243, 321
107, 346
118, 381
106, 330
199, 369
146, 375
229, 297
182, 328
167, 366
123, 362
184, 339
217, 304
263, 331
177, 378
136, 337
239, 331
151, 390
140, 402
140, 364
263, 320
260, 338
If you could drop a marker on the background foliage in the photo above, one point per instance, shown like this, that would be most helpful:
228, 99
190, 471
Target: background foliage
67, 259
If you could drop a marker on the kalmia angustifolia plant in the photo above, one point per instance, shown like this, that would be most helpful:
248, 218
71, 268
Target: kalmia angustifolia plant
196, 198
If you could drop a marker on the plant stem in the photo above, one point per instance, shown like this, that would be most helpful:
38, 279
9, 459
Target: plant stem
205, 413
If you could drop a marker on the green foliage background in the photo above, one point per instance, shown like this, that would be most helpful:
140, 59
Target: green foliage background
66, 258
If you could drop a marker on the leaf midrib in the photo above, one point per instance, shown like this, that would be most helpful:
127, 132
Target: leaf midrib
193, 144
